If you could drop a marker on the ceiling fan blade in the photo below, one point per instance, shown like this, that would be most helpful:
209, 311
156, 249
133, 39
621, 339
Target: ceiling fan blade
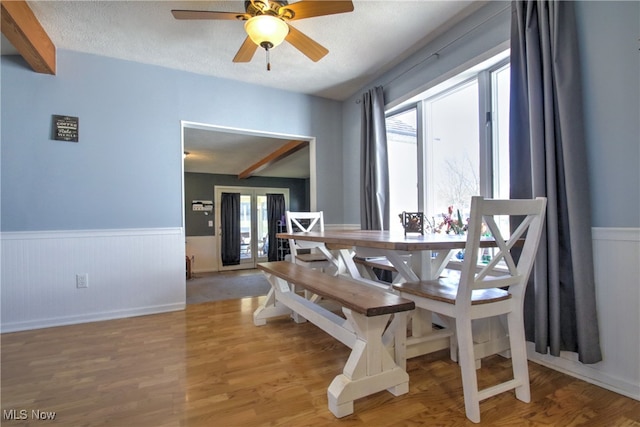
205, 14
307, 9
304, 44
246, 52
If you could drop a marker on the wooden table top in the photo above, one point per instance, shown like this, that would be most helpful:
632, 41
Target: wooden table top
387, 240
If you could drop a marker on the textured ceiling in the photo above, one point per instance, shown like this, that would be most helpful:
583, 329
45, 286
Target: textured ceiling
362, 43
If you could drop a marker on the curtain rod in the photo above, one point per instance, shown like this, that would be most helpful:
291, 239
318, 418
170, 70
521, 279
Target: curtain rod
436, 54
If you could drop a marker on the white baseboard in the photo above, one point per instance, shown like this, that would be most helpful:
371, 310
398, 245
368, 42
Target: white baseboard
204, 270
568, 364
93, 317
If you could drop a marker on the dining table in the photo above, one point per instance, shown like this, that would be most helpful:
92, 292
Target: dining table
429, 252
416, 257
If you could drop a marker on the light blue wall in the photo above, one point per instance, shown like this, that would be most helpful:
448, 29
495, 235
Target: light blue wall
608, 32
126, 170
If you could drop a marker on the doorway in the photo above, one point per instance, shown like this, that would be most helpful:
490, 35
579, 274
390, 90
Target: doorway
254, 225
222, 153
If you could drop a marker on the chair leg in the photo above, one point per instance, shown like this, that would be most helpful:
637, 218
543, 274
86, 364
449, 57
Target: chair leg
466, 360
519, 355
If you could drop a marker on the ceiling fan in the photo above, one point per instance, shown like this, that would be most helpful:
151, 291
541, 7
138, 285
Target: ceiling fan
267, 24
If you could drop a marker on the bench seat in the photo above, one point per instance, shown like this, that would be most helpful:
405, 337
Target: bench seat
445, 289
311, 257
374, 328
350, 294
379, 262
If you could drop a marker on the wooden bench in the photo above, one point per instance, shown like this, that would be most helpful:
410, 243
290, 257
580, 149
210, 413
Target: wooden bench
367, 264
379, 262
374, 328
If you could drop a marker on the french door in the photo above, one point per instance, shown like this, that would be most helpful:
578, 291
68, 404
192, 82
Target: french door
254, 225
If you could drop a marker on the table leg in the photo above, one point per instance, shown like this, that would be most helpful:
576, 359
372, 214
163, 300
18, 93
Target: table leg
405, 271
424, 338
346, 262
332, 259
427, 267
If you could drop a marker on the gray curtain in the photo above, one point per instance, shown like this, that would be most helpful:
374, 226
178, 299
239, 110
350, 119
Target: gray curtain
230, 226
276, 209
374, 166
548, 158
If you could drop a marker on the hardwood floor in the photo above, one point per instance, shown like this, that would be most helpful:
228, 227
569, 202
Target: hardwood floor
210, 366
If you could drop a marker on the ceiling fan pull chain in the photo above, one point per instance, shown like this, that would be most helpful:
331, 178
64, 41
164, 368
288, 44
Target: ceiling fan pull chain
268, 60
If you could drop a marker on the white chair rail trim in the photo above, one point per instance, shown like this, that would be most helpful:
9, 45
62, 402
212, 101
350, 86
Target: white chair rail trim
631, 234
73, 234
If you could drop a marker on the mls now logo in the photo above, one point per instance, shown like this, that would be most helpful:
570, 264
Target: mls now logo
23, 414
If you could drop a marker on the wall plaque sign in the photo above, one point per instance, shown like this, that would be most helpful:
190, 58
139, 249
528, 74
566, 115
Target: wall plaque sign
65, 128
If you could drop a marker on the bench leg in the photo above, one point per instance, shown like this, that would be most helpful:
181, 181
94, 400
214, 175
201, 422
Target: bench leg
396, 343
370, 367
271, 307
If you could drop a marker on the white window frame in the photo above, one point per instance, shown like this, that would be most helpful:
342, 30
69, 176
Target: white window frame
486, 129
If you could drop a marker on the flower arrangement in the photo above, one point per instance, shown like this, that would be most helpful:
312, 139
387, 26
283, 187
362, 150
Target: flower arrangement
451, 225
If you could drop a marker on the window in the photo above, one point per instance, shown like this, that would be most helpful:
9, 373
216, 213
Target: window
450, 143
402, 147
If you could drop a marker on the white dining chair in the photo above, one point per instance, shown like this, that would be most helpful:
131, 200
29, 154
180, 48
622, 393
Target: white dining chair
306, 253
480, 293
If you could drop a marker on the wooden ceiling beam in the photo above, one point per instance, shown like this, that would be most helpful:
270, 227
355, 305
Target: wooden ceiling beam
279, 154
21, 27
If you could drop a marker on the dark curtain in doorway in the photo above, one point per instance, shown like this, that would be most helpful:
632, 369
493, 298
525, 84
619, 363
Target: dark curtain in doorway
275, 212
230, 224
548, 157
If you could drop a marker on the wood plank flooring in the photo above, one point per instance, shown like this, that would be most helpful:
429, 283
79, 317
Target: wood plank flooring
210, 366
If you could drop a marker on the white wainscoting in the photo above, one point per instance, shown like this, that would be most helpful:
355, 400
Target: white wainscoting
203, 252
131, 272
617, 274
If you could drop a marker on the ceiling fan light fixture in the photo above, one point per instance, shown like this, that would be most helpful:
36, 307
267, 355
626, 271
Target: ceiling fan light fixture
266, 30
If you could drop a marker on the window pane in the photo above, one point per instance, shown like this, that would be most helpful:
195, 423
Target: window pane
402, 146
500, 82
452, 151
263, 226
245, 226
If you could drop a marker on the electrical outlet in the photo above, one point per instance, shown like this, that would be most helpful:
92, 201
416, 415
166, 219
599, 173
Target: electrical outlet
82, 280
